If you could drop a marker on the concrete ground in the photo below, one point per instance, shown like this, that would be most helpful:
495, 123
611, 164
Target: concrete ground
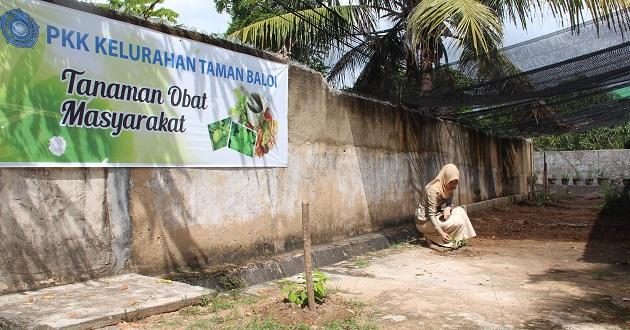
95, 303
495, 284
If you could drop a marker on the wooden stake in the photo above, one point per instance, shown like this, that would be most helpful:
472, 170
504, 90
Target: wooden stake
308, 263
546, 183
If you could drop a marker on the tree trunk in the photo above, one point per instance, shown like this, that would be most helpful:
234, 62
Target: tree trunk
426, 66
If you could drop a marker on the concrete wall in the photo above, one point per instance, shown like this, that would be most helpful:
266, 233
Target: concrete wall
614, 163
360, 164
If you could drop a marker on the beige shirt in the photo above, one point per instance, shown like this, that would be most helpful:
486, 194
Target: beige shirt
430, 208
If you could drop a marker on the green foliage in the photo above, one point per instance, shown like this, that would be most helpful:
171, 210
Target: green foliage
145, 9
458, 243
296, 292
389, 59
204, 301
599, 138
351, 323
190, 311
361, 262
542, 198
613, 199
269, 324
231, 282
248, 12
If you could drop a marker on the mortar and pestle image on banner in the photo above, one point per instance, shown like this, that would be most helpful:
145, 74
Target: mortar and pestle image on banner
250, 129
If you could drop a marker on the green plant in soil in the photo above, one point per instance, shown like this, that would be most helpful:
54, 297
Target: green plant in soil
458, 243
296, 292
242, 139
361, 262
220, 133
542, 198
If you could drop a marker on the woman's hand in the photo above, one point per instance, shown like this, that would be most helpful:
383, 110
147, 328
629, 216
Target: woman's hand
445, 237
447, 212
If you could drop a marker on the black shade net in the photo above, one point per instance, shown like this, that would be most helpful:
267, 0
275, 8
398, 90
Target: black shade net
577, 94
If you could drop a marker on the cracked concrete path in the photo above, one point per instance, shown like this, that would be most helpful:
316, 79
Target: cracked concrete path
495, 284
95, 303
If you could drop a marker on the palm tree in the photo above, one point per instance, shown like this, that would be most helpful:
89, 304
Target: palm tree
414, 42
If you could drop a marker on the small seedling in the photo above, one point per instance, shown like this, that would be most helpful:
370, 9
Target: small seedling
296, 292
458, 243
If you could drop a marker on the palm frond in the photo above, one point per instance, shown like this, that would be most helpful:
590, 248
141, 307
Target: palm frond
351, 60
317, 27
470, 19
611, 11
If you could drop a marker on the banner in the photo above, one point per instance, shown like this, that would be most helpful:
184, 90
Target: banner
81, 90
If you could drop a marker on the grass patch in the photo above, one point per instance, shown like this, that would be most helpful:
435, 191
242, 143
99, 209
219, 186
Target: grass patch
221, 302
190, 311
269, 324
361, 262
352, 323
210, 323
356, 303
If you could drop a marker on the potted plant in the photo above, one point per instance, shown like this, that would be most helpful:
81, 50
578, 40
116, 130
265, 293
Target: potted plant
601, 179
577, 178
565, 178
590, 177
552, 180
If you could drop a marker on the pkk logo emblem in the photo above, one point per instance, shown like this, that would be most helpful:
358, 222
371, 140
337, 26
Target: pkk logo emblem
19, 29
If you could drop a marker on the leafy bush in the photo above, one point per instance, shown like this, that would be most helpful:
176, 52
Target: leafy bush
542, 198
598, 138
296, 292
613, 199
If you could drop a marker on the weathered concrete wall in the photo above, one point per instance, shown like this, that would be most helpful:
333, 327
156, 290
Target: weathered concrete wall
360, 164
614, 163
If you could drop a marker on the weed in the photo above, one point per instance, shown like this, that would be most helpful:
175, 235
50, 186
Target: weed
204, 301
356, 303
230, 282
269, 324
351, 323
542, 198
221, 302
361, 262
211, 323
247, 300
613, 199
190, 311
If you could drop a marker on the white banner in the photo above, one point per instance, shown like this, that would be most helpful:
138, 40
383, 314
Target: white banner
79, 89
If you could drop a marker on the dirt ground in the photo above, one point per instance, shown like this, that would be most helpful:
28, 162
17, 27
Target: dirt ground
558, 266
